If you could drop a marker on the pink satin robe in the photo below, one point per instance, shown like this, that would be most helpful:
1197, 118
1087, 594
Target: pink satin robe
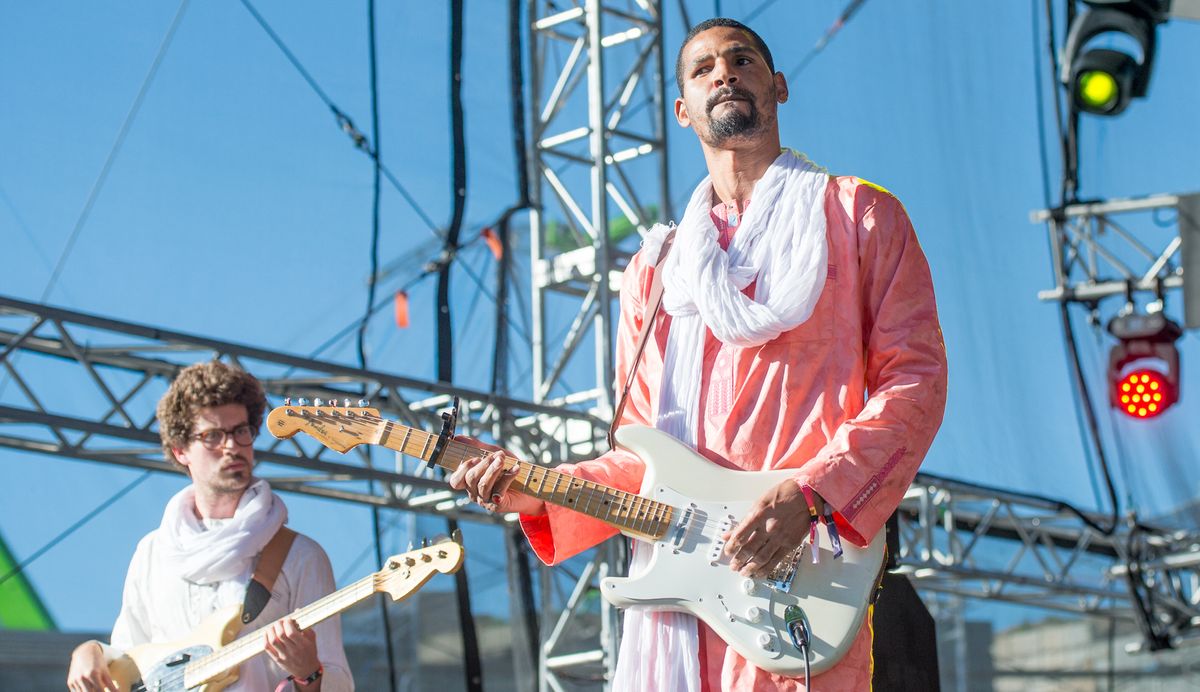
800, 401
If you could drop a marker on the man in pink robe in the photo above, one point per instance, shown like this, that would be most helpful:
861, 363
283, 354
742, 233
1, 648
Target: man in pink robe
850, 398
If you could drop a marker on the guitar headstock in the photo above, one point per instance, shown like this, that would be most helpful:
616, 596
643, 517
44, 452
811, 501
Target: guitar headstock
403, 574
340, 428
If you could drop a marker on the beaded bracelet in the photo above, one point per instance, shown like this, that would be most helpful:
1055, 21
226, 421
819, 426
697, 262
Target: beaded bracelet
313, 677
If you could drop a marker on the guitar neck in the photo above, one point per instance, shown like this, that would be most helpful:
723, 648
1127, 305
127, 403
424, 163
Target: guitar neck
629, 512
250, 645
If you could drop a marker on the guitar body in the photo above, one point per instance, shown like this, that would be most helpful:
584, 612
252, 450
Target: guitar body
688, 572
160, 667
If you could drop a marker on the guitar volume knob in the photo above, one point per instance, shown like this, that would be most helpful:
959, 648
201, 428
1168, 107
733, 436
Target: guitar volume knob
748, 587
754, 614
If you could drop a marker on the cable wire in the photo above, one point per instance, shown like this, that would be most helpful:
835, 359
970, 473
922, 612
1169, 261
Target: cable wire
344, 121
838, 25
376, 520
74, 527
134, 108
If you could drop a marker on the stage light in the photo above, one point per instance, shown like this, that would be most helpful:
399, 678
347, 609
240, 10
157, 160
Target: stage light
1143, 391
1102, 80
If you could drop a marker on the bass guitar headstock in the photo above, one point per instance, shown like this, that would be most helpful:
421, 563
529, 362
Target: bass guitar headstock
405, 573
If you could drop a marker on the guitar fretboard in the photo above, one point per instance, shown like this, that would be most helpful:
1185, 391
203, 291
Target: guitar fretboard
627, 511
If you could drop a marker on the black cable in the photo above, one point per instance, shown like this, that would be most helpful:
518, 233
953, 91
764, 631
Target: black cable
376, 522
1084, 400
73, 527
516, 86
1043, 157
344, 121
522, 611
1140, 593
472, 665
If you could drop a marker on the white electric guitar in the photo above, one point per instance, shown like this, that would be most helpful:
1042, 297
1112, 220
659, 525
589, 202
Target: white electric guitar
802, 614
208, 659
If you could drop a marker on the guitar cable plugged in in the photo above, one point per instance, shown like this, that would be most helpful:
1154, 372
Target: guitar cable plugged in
801, 636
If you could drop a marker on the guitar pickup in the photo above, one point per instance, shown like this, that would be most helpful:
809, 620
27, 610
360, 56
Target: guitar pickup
681, 526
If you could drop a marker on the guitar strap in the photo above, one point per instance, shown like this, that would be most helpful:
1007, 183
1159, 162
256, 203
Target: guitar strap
258, 591
653, 303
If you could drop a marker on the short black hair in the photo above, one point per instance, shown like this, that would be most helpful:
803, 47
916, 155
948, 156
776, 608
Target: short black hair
707, 24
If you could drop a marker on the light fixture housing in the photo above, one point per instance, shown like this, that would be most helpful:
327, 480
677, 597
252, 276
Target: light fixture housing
1124, 75
1147, 341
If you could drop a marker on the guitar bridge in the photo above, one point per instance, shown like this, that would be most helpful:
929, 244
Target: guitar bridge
781, 577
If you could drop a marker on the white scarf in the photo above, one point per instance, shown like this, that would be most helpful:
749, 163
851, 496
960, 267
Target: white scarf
206, 554
780, 243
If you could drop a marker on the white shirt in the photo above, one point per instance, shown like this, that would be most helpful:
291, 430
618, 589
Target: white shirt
161, 608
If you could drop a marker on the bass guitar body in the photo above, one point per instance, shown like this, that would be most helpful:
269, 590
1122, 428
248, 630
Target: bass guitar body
160, 667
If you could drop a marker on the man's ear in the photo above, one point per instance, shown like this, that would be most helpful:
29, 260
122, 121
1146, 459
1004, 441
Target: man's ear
681, 113
781, 88
180, 455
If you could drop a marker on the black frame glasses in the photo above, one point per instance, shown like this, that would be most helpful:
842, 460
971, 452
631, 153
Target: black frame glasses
214, 438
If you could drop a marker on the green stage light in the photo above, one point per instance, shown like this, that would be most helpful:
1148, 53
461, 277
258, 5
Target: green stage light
1104, 80
1098, 90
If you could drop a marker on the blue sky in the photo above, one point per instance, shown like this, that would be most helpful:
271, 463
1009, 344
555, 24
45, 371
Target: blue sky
235, 190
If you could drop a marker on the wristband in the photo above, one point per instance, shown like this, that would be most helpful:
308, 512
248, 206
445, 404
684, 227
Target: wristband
813, 519
313, 677
834, 540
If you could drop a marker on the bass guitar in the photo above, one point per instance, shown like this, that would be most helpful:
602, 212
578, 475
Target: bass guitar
802, 618
208, 659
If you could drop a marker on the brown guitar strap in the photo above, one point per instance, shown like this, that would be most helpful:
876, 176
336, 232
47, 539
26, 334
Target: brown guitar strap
653, 303
258, 591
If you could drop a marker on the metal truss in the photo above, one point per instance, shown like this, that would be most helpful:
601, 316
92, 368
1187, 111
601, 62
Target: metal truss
85, 387
581, 629
599, 120
1096, 255
955, 538
978, 542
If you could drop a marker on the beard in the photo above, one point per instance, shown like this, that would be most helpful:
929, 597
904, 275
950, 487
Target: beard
733, 123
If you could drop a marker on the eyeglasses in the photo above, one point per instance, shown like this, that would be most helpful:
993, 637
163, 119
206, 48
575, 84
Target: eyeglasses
214, 438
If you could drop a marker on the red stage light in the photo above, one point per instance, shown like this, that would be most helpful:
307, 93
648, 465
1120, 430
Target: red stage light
1150, 338
1145, 393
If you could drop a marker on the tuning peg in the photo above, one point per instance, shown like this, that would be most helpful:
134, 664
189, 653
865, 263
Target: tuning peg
318, 402
287, 401
346, 403
302, 402
363, 403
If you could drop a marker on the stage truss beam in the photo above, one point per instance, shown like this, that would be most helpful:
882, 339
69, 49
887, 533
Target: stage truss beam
116, 371
1099, 249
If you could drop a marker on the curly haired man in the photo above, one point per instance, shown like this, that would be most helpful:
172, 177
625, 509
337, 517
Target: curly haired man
200, 559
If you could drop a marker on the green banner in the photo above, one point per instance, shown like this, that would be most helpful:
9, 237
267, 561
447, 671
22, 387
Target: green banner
20, 607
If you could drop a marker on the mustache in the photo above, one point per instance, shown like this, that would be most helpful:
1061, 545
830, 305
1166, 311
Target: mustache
726, 92
234, 457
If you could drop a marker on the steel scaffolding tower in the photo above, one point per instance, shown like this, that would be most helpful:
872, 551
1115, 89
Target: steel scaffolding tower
599, 118
598, 155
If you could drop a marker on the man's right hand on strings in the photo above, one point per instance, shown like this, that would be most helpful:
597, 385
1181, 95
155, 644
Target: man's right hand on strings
487, 478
